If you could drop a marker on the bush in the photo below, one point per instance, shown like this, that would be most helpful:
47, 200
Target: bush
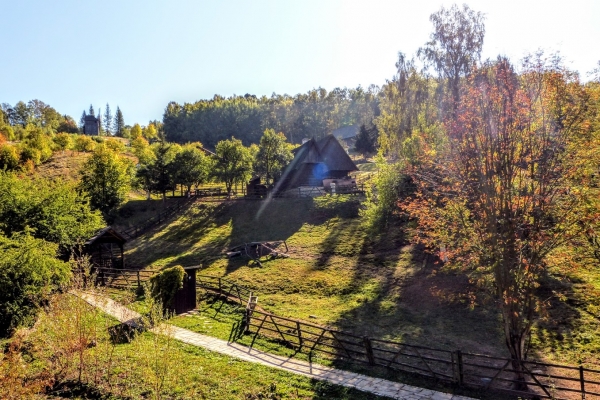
165, 284
62, 141
30, 154
115, 145
29, 272
9, 158
84, 144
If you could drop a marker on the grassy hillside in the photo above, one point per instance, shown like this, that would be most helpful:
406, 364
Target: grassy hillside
337, 274
377, 284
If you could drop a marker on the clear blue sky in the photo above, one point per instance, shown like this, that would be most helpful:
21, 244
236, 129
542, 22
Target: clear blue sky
140, 55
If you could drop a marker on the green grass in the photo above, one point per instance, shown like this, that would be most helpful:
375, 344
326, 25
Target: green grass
132, 370
341, 274
338, 273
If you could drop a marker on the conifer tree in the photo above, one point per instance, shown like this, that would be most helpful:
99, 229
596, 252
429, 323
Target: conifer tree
91, 112
119, 124
108, 121
82, 121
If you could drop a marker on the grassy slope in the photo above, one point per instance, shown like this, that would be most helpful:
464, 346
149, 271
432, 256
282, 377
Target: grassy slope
337, 273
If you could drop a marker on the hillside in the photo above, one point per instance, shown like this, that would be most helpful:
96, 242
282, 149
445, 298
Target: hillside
337, 274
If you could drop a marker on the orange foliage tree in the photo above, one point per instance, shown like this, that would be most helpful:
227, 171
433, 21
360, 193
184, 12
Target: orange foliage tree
500, 198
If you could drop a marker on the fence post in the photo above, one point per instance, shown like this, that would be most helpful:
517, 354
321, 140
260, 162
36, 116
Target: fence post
582, 381
459, 361
369, 350
299, 334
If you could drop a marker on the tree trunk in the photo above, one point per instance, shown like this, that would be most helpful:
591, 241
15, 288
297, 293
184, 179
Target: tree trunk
516, 335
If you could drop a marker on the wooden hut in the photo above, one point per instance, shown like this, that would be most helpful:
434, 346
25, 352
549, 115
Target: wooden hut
185, 298
105, 248
315, 161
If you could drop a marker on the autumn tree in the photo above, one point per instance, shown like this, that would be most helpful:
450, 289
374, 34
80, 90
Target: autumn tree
233, 163
498, 200
273, 155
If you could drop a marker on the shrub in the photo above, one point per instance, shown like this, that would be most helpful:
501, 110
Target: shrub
84, 144
29, 272
9, 158
62, 141
165, 284
115, 145
30, 154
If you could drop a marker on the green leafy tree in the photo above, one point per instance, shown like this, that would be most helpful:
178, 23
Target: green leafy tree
29, 272
190, 167
119, 124
106, 178
54, 210
273, 155
455, 45
233, 163
136, 131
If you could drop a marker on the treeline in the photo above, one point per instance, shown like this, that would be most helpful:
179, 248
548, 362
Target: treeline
313, 114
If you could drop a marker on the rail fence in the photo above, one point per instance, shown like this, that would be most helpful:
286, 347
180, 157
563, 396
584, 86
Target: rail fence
121, 278
478, 371
159, 218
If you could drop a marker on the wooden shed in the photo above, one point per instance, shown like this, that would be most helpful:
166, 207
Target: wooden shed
185, 298
315, 161
105, 248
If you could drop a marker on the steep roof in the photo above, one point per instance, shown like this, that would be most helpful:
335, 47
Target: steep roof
334, 155
326, 150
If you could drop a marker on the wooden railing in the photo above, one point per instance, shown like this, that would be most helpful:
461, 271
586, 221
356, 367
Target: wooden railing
478, 371
158, 219
121, 278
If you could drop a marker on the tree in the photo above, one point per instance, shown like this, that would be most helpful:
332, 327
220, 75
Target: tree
156, 175
499, 200
273, 155
455, 45
119, 124
82, 121
233, 163
91, 111
136, 131
366, 140
108, 121
190, 167
53, 210
29, 272
106, 178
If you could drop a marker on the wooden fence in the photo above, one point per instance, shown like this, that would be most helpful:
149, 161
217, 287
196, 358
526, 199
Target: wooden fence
122, 278
478, 371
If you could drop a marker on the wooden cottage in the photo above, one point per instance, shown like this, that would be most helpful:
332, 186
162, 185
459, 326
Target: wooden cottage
315, 161
105, 248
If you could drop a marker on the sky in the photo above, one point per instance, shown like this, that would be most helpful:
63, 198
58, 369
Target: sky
140, 55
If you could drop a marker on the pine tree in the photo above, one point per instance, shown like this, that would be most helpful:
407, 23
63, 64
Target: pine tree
100, 124
108, 121
119, 122
91, 112
82, 121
